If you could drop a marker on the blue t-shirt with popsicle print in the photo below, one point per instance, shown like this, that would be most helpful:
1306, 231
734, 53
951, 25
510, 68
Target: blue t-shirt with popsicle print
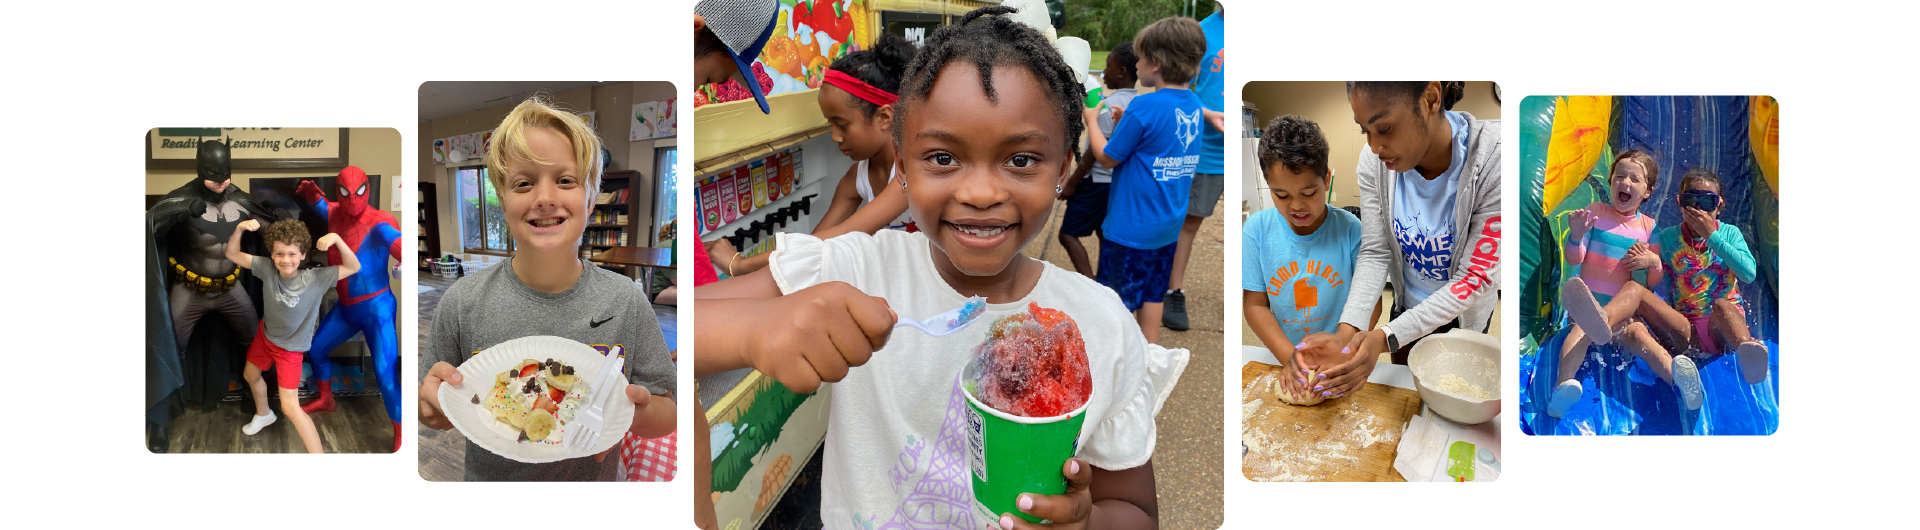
1304, 277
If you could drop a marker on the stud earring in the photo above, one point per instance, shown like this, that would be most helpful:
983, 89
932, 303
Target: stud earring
1058, 189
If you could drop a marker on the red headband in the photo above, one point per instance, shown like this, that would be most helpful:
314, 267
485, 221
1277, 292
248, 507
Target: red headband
860, 89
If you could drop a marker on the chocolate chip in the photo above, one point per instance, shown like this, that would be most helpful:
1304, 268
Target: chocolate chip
476, 399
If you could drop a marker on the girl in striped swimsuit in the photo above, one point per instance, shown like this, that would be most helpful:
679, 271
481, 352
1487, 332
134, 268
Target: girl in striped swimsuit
1607, 243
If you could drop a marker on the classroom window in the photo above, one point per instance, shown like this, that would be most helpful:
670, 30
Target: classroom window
665, 207
483, 225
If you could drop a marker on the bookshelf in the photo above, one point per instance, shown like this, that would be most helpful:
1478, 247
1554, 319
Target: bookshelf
427, 226
613, 221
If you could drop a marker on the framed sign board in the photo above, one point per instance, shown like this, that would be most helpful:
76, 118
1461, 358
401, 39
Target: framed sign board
252, 147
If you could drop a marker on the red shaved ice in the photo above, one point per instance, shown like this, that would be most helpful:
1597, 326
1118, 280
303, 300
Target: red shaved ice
1033, 364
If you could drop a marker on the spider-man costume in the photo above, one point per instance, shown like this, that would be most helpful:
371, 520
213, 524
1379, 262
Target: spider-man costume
366, 303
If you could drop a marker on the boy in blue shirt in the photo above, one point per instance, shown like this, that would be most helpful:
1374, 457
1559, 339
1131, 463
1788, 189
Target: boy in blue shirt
1210, 177
1154, 151
1297, 257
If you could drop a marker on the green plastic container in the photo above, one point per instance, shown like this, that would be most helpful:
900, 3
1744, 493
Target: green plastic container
1010, 455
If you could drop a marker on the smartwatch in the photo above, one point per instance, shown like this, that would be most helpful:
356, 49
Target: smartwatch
1393, 344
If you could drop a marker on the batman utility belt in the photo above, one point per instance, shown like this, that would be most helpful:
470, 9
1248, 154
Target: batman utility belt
200, 283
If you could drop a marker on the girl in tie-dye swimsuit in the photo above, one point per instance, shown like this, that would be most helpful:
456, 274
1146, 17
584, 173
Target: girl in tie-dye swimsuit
1704, 258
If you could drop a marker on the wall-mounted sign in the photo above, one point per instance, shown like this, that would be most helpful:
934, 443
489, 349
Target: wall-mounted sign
251, 147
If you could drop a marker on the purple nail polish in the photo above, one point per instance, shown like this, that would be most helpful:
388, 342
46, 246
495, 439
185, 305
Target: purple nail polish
1344, 350
1302, 381
1326, 394
1317, 388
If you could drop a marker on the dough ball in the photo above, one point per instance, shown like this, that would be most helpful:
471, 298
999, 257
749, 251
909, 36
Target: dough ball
1308, 399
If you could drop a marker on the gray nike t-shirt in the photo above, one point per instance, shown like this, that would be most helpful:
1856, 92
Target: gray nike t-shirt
603, 309
292, 305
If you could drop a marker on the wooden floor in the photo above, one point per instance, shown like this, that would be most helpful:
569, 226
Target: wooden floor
358, 424
443, 454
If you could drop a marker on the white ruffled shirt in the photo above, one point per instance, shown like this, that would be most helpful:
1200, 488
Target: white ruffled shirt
896, 448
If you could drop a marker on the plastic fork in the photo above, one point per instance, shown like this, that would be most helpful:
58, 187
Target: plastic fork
587, 427
948, 322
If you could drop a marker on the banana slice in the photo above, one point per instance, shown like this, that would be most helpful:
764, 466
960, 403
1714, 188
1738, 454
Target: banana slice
539, 425
516, 416
564, 382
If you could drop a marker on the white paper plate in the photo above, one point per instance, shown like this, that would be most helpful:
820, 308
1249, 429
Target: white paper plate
478, 424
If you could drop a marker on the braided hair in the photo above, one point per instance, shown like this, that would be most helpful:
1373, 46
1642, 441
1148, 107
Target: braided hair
987, 40
881, 67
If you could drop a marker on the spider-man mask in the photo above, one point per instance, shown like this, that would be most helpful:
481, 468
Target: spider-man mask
352, 187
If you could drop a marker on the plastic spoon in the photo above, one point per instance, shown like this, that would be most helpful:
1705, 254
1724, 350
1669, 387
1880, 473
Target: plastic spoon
948, 322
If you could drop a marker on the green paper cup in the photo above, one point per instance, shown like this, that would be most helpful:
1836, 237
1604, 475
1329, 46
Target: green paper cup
1010, 455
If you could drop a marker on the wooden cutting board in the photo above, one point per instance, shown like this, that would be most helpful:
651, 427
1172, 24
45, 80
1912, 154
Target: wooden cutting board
1348, 439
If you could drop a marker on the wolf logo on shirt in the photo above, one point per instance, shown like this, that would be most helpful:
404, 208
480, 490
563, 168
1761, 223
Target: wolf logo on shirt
1186, 127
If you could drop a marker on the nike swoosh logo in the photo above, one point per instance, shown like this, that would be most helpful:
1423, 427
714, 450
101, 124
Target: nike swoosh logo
597, 324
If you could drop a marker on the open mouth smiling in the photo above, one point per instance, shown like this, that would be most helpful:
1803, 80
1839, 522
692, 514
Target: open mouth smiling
979, 234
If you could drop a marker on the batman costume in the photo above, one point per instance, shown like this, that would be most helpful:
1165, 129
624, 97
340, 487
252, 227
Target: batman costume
190, 282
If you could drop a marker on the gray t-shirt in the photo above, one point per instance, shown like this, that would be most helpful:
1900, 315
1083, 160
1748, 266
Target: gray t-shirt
1119, 98
603, 309
292, 304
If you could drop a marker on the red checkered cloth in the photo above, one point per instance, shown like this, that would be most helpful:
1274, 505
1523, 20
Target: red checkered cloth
648, 460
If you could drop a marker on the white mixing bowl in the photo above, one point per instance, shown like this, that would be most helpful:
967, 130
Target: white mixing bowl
1473, 358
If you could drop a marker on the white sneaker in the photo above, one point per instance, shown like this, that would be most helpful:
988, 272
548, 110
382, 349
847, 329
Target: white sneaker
259, 422
1564, 396
1686, 378
1753, 362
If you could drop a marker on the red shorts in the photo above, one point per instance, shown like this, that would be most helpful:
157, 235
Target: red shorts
264, 354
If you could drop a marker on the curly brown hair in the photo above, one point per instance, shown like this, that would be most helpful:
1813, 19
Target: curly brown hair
1295, 143
289, 232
